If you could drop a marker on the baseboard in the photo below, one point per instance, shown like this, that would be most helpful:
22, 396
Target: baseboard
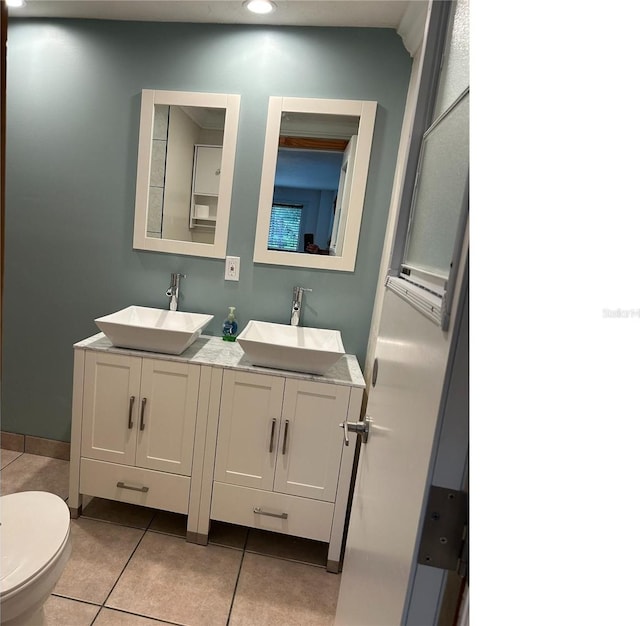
35, 445
12, 441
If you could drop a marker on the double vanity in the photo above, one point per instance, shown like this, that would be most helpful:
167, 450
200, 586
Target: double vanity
245, 432
209, 434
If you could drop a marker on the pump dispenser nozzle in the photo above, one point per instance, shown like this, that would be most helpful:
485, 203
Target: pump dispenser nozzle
230, 326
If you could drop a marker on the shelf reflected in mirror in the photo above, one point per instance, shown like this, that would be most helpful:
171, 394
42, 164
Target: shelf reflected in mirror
186, 158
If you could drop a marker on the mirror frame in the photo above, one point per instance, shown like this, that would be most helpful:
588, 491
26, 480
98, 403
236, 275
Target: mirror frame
366, 111
231, 104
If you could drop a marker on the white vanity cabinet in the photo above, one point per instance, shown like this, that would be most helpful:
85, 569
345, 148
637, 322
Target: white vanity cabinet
208, 435
134, 429
140, 412
280, 461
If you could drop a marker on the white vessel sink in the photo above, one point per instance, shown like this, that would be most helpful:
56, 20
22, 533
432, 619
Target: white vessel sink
294, 348
155, 330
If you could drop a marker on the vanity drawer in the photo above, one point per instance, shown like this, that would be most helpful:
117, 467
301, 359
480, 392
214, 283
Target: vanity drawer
305, 517
158, 490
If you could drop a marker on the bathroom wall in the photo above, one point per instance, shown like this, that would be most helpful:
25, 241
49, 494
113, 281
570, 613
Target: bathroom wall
72, 129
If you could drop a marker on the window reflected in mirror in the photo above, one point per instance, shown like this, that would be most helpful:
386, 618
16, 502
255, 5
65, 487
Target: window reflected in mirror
285, 227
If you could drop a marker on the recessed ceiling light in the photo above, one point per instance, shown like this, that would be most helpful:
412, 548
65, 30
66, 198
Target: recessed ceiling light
15, 4
260, 6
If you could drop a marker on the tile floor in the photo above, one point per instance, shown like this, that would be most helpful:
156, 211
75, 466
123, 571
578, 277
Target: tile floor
130, 566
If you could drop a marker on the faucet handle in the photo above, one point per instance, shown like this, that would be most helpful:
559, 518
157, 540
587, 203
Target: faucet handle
175, 280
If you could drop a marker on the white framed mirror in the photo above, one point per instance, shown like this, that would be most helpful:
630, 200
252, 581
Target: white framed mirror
314, 175
186, 157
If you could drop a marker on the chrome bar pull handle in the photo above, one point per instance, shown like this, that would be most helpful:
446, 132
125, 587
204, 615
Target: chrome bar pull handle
258, 511
131, 401
144, 403
273, 432
284, 439
121, 485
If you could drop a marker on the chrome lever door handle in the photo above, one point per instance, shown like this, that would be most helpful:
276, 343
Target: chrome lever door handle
345, 433
362, 428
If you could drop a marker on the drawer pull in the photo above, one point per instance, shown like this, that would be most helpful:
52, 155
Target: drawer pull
144, 403
273, 431
259, 511
121, 485
284, 439
131, 401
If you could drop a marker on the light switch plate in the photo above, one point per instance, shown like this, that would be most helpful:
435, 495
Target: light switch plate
232, 268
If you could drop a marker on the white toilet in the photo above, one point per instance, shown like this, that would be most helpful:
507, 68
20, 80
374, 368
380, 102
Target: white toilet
35, 545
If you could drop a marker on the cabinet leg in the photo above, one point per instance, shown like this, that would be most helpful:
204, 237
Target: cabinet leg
200, 538
75, 512
333, 566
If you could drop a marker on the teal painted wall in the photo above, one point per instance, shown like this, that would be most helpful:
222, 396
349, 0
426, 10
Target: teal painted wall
73, 100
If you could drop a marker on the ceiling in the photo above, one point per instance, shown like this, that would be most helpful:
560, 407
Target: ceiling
363, 13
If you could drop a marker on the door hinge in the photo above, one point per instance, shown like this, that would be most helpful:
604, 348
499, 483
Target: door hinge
445, 531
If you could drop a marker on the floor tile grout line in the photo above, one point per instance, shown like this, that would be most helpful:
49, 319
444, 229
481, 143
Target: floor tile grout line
155, 514
108, 608
65, 597
103, 605
235, 588
113, 522
156, 619
4, 467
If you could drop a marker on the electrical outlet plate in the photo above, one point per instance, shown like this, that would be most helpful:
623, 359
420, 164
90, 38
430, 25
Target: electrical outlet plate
232, 268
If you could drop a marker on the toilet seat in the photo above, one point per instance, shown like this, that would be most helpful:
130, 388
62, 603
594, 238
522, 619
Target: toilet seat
34, 531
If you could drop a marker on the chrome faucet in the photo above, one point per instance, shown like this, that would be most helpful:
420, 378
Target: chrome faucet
296, 306
173, 293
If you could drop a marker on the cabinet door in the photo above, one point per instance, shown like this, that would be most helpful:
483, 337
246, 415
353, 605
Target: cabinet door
167, 418
110, 407
310, 445
250, 411
207, 170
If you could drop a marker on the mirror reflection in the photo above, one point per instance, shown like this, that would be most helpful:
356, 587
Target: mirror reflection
186, 157
184, 185
313, 182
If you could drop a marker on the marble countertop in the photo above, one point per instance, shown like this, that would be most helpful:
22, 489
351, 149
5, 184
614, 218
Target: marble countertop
208, 350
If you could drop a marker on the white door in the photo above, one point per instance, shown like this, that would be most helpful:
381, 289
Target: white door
342, 198
393, 467
382, 582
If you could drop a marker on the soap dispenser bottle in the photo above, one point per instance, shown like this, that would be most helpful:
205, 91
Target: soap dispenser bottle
230, 326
